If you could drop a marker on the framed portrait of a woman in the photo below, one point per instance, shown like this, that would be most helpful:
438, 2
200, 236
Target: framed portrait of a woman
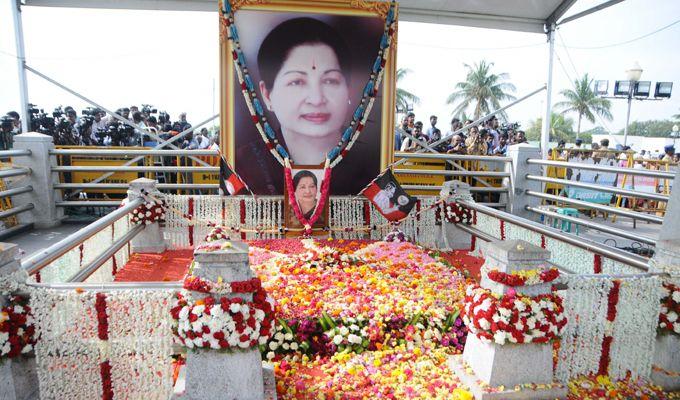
307, 180
310, 62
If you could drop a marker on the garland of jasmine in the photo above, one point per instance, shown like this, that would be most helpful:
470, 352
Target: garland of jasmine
513, 318
318, 209
670, 309
524, 277
224, 323
361, 113
17, 329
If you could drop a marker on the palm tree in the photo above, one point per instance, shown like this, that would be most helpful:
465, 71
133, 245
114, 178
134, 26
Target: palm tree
583, 101
561, 128
482, 89
404, 97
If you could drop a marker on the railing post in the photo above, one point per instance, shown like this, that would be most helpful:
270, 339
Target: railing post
519, 169
212, 374
150, 240
45, 214
452, 237
666, 260
18, 376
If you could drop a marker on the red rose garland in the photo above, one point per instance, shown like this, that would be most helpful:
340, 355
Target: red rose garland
454, 213
149, 213
670, 309
612, 302
224, 323
15, 317
325, 189
103, 334
513, 318
514, 280
196, 284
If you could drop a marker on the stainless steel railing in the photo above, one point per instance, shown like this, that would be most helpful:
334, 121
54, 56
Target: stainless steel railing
616, 170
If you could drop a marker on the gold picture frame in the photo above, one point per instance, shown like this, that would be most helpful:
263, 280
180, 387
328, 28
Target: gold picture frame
329, 7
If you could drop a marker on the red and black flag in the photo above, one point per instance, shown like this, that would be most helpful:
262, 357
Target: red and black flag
230, 183
388, 197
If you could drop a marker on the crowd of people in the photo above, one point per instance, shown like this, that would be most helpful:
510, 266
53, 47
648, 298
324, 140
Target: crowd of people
488, 138
95, 128
602, 150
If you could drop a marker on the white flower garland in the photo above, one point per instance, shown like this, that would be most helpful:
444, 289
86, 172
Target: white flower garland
69, 352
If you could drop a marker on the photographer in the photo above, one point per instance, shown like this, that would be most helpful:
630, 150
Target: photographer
6, 134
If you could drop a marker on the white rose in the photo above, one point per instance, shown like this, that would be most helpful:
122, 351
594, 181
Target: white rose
288, 336
294, 346
18, 309
676, 296
499, 337
353, 327
270, 355
286, 346
279, 336
676, 327
273, 346
344, 331
672, 316
352, 338
198, 309
484, 323
337, 339
234, 307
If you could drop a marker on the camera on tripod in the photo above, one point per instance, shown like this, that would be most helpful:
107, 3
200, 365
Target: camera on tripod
6, 123
147, 109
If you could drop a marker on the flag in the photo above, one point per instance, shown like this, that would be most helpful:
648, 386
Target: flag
230, 183
388, 197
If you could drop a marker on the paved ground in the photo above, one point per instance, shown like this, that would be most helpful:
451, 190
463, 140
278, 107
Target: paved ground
38, 239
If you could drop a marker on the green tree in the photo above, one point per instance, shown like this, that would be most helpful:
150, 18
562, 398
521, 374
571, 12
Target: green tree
583, 101
404, 97
651, 128
482, 90
562, 128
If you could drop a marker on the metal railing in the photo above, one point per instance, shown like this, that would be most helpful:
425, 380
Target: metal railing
120, 168
16, 191
160, 186
576, 241
15, 153
40, 260
601, 188
16, 210
615, 170
492, 174
599, 207
456, 157
11, 172
89, 203
474, 189
132, 152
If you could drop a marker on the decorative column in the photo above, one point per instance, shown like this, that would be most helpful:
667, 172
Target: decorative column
45, 214
519, 169
223, 318
151, 213
18, 374
452, 237
666, 260
513, 318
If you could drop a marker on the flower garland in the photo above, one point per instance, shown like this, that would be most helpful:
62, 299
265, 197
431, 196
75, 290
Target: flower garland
101, 307
513, 318
524, 277
396, 236
217, 233
149, 213
17, 329
224, 323
363, 110
197, 284
612, 302
318, 209
670, 309
454, 213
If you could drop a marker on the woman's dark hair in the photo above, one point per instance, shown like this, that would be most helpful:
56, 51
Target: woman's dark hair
303, 174
278, 44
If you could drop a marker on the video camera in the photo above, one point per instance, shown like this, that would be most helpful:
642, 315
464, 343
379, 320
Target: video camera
163, 118
6, 123
119, 134
147, 109
509, 126
39, 121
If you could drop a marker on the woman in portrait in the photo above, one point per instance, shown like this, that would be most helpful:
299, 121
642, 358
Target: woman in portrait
306, 184
304, 73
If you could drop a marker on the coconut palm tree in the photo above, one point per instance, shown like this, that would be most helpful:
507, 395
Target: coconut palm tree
404, 97
583, 101
482, 89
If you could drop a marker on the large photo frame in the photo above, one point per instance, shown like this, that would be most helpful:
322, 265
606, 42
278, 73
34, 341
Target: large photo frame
349, 32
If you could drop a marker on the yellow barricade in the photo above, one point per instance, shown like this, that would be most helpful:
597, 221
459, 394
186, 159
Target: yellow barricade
420, 179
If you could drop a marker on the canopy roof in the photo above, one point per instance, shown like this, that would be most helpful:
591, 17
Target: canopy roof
514, 15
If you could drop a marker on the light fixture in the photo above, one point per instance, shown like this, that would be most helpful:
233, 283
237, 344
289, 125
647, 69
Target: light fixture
642, 89
622, 88
663, 89
601, 88
634, 73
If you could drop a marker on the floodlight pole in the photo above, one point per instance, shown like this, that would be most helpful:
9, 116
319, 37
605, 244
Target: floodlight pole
21, 65
545, 131
630, 101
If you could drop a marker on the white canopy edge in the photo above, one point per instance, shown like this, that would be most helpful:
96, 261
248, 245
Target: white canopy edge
407, 12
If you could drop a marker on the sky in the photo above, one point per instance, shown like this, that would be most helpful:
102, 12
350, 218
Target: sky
171, 59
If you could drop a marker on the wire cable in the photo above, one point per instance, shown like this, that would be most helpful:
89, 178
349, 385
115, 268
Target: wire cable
625, 42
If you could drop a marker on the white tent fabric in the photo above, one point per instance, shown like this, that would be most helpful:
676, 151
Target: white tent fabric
514, 15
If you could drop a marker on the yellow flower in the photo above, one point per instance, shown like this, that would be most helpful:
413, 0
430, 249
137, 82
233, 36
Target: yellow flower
603, 380
462, 394
3, 317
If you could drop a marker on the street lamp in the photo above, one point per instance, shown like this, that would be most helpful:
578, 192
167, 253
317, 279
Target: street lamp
633, 88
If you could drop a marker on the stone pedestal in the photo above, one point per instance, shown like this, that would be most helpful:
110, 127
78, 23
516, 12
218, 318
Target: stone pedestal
18, 376
149, 240
212, 374
666, 367
494, 371
45, 214
452, 237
